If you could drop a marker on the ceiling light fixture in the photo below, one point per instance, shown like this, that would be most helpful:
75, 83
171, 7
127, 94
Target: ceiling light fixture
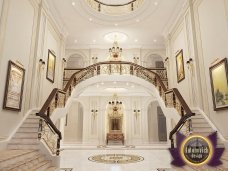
155, 3
136, 40
115, 51
137, 20
155, 40
115, 36
75, 41
90, 19
94, 41
73, 3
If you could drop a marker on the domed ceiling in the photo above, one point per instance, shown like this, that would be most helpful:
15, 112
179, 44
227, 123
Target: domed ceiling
144, 27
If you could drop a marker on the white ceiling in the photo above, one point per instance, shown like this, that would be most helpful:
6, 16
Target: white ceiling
86, 28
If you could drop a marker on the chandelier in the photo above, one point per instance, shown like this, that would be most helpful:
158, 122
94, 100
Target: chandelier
115, 107
115, 51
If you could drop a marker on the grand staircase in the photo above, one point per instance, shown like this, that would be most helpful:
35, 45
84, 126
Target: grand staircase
22, 153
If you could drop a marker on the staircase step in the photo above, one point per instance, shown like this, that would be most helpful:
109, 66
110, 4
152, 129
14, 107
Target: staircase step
203, 129
24, 164
26, 135
199, 120
33, 116
42, 166
9, 157
23, 146
51, 169
30, 125
32, 120
201, 125
27, 130
24, 140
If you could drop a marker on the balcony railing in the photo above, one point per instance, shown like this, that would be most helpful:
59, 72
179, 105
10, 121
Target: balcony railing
115, 9
157, 77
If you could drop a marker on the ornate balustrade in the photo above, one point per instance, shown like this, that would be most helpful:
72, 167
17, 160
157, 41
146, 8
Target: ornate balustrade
57, 98
114, 9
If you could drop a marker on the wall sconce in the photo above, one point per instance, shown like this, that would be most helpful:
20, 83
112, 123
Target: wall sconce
94, 59
190, 63
64, 62
136, 59
41, 63
94, 113
136, 113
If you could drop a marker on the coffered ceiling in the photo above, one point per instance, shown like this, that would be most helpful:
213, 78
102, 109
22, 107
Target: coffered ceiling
86, 28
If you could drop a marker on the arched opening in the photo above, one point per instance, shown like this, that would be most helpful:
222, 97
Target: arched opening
154, 61
75, 61
73, 129
157, 130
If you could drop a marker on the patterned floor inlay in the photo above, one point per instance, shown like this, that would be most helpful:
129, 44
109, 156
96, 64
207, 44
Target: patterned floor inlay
116, 158
66, 169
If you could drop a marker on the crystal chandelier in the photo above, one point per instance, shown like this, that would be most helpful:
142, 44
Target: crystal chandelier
115, 51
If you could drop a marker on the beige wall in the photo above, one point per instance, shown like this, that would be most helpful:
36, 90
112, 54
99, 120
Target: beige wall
21, 40
212, 38
15, 46
202, 32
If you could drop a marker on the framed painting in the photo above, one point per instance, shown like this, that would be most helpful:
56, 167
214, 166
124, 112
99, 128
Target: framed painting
50, 75
14, 87
219, 84
180, 66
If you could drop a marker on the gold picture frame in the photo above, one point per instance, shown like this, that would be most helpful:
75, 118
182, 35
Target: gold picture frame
219, 84
14, 87
50, 74
180, 66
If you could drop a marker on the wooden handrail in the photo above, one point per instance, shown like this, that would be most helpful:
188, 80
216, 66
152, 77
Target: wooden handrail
93, 67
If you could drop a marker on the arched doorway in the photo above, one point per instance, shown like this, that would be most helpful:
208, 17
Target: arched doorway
154, 61
115, 127
75, 61
157, 130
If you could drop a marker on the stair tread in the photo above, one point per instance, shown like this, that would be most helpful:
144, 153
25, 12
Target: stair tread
9, 154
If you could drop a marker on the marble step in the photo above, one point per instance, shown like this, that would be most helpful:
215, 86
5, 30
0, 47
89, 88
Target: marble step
9, 157
24, 146
33, 116
201, 125
203, 129
30, 125
42, 166
198, 120
26, 135
52, 169
25, 130
24, 140
32, 120
24, 164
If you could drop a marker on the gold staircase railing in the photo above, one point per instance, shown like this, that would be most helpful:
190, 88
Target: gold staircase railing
57, 98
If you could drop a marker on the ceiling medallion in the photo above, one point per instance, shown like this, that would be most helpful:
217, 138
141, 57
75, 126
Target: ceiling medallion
120, 7
115, 36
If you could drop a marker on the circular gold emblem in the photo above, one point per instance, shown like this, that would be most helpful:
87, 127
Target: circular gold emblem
196, 150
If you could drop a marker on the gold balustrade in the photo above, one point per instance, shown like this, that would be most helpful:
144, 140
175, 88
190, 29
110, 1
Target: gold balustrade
58, 97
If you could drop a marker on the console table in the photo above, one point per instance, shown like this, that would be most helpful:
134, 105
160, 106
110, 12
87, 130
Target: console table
115, 137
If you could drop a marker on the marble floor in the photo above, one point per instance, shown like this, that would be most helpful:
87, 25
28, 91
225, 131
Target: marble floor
78, 159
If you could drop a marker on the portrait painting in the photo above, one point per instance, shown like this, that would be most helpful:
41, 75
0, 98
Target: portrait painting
14, 87
50, 75
180, 66
219, 84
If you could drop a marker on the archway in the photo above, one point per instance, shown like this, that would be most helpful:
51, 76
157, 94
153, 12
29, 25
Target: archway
154, 61
157, 130
75, 61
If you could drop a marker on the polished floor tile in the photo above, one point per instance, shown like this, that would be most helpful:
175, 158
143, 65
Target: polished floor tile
78, 160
